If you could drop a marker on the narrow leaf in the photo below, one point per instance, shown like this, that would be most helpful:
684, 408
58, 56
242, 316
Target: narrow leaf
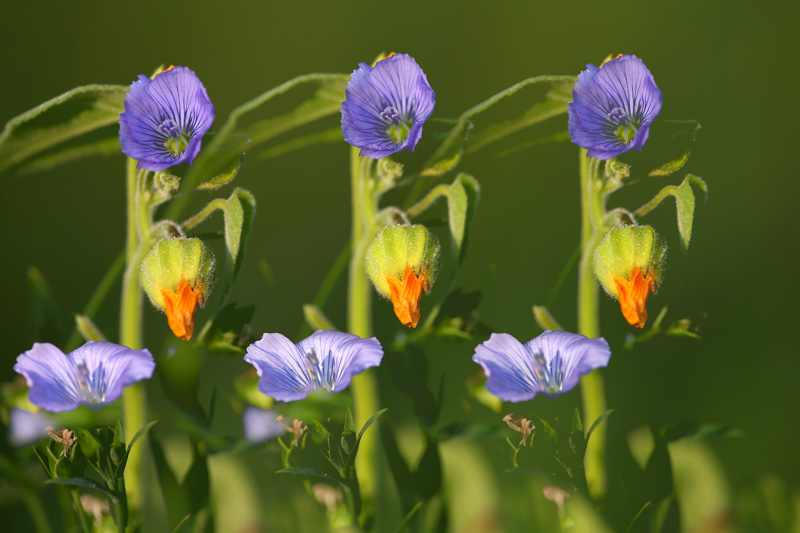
78, 123
678, 136
124, 461
369, 422
83, 482
462, 202
226, 162
684, 201
597, 422
544, 319
675, 432
88, 329
313, 473
316, 318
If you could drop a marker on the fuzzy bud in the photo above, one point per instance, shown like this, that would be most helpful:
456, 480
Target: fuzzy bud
177, 275
628, 263
402, 262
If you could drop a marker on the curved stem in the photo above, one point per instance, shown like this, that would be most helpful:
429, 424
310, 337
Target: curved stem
592, 389
359, 313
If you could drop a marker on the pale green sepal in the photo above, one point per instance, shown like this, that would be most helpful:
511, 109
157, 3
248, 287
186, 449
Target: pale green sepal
64, 128
624, 248
172, 260
684, 202
397, 247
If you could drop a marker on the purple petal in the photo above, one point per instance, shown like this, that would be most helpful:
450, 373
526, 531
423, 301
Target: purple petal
94, 374
260, 425
508, 367
176, 95
340, 356
281, 368
622, 85
395, 83
25, 427
579, 355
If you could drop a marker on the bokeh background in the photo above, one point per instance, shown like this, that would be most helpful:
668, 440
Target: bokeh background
730, 65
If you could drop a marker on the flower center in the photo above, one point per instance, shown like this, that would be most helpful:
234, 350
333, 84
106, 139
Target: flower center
176, 141
90, 384
318, 374
551, 377
398, 128
626, 128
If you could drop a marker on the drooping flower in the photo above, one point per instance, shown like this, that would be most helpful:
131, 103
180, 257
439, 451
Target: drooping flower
165, 119
402, 263
628, 262
386, 106
260, 425
94, 374
178, 275
613, 107
325, 360
550, 364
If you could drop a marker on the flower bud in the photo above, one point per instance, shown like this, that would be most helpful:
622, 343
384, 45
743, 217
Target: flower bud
628, 264
402, 262
177, 275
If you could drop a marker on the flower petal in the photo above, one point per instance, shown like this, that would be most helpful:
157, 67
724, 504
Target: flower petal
281, 368
260, 425
341, 356
579, 354
50, 377
508, 367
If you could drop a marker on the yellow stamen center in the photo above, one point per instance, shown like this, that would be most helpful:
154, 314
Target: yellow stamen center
405, 295
632, 294
180, 307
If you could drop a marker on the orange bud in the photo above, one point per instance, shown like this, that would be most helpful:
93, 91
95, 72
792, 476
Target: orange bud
633, 294
405, 295
180, 308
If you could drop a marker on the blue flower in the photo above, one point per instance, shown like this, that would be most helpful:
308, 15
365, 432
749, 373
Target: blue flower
165, 119
260, 425
94, 374
550, 364
613, 107
325, 360
386, 106
25, 427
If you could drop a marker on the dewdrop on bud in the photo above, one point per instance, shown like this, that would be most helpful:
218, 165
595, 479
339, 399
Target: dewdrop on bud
177, 275
402, 262
628, 263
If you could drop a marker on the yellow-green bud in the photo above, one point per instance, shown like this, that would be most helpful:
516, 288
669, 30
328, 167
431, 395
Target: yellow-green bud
177, 275
402, 262
628, 264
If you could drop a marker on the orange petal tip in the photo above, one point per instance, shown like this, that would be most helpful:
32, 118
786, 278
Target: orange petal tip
405, 295
180, 307
632, 294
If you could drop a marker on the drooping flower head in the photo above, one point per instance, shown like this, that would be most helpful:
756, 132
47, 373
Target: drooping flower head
550, 364
94, 374
613, 107
165, 119
628, 262
402, 263
325, 360
178, 275
386, 106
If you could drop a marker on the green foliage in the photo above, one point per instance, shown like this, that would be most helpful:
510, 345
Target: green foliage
685, 202
76, 124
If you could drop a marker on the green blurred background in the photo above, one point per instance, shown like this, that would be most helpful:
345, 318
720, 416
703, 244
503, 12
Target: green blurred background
730, 65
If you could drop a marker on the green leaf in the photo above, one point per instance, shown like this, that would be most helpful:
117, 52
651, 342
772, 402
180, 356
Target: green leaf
597, 422
314, 473
684, 201
369, 422
673, 432
144, 429
83, 482
225, 164
88, 329
545, 320
43, 315
78, 123
316, 318
449, 153
678, 137
462, 202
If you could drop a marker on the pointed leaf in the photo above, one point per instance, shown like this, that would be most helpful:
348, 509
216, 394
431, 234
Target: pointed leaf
678, 137
83, 482
597, 422
88, 329
462, 202
141, 432
675, 432
78, 123
225, 164
316, 318
544, 319
314, 473
684, 201
449, 153
369, 422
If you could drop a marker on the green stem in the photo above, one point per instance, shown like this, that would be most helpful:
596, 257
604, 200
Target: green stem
82, 518
592, 390
359, 313
139, 241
